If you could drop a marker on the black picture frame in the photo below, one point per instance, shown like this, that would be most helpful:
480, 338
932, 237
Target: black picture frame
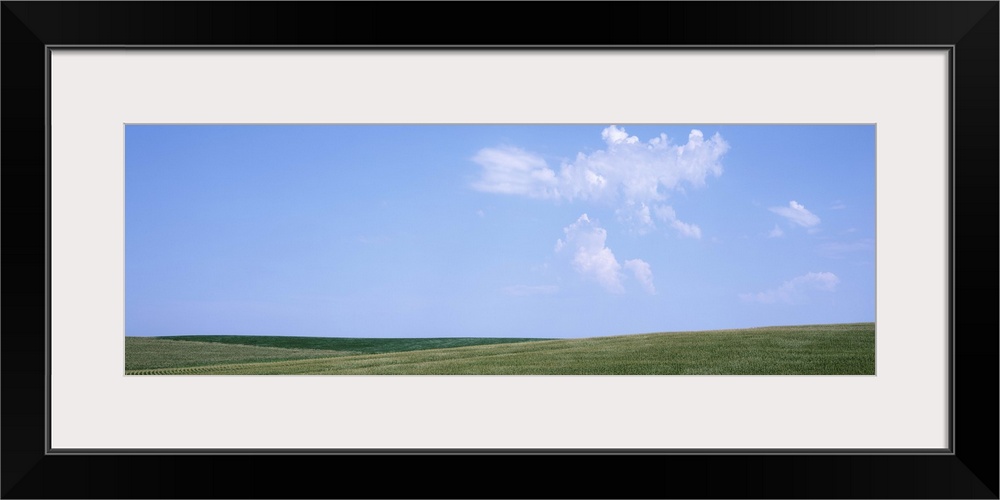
969, 470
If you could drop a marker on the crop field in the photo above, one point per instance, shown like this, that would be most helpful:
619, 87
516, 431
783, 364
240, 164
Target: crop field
838, 349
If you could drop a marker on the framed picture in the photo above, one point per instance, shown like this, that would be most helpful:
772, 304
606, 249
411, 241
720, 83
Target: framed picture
141, 228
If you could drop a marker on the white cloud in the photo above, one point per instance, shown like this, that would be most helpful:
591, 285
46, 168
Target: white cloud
509, 170
776, 232
594, 260
795, 290
590, 257
838, 205
797, 214
685, 229
628, 172
636, 217
524, 290
641, 172
615, 135
668, 215
665, 212
643, 273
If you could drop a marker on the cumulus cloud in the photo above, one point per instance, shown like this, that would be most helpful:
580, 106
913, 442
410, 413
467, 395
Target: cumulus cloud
628, 172
776, 232
797, 214
590, 257
615, 135
796, 289
638, 171
523, 290
643, 273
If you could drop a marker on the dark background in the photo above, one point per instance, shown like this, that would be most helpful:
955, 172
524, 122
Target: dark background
971, 472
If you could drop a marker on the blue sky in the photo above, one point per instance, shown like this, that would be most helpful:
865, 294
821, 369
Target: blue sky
496, 230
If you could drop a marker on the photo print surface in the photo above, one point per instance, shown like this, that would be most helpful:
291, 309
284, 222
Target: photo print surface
476, 249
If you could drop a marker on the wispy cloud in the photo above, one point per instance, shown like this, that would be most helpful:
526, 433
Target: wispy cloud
797, 213
643, 273
510, 170
636, 217
776, 232
591, 258
795, 290
838, 205
630, 173
667, 214
524, 290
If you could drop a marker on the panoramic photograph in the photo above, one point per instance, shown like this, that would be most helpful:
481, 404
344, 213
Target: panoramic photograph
481, 249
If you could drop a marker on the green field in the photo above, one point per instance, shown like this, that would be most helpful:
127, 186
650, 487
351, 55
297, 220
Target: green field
348, 344
838, 349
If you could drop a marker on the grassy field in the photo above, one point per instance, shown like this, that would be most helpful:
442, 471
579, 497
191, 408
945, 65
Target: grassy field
347, 344
142, 353
840, 349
